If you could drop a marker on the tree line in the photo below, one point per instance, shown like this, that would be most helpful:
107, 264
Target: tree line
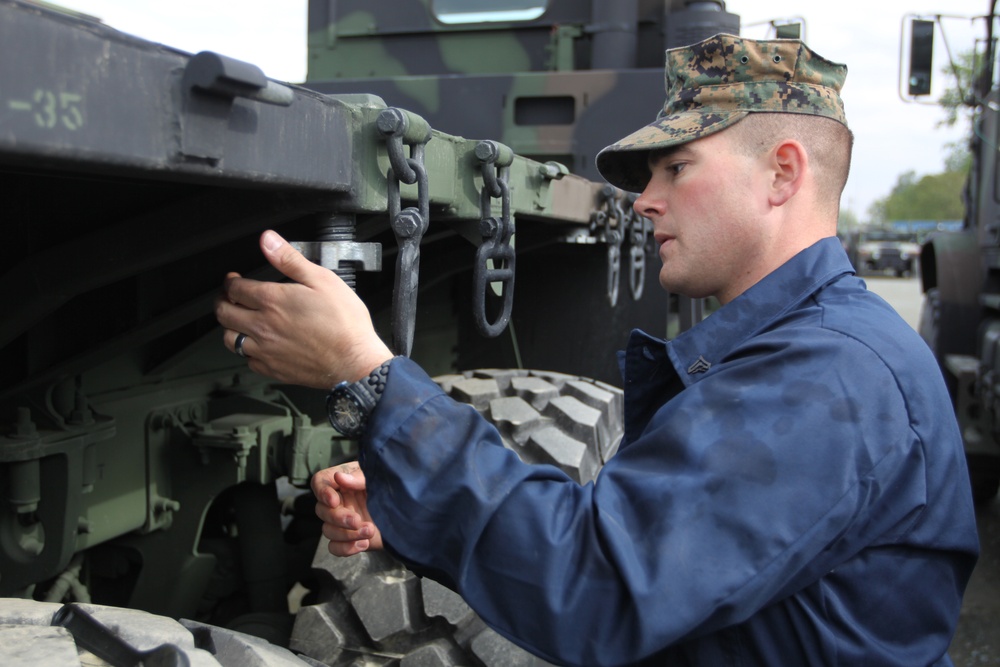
932, 196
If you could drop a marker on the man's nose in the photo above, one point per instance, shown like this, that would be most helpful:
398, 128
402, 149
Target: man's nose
649, 205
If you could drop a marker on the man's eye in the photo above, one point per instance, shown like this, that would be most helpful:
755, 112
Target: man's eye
676, 167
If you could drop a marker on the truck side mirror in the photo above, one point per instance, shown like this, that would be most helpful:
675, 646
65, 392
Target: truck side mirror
788, 31
921, 56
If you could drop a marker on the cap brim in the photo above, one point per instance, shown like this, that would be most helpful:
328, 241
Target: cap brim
625, 163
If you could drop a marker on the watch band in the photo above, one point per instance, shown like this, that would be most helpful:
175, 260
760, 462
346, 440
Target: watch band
376, 379
349, 405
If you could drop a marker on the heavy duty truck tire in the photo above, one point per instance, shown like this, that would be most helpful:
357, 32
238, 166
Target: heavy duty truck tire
28, 638
369, 610
372, 611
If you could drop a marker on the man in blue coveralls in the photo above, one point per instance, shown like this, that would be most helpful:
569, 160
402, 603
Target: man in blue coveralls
791, 487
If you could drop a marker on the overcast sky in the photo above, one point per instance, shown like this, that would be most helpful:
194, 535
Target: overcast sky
892, 137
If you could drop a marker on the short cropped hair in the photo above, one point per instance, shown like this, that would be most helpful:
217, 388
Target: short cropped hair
828, 143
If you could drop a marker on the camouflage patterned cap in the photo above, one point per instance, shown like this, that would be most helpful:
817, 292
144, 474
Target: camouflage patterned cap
719, 81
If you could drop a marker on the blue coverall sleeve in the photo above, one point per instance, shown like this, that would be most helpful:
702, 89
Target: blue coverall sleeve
746, 486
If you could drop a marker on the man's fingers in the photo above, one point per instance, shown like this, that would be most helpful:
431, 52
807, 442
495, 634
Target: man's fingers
348, 548
325, 488
240, 296
328, 496
340, 495
229, 339
288, 260
339, 516
336, 533
328, 482
350, 481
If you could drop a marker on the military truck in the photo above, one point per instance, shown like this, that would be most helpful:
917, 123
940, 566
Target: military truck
958, 270
881, 250
145, 474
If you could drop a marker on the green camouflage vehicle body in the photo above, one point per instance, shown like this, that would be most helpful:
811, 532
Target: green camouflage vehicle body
550, 88
142, 466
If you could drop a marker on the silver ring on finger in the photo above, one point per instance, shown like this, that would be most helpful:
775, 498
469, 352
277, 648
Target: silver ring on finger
238, 345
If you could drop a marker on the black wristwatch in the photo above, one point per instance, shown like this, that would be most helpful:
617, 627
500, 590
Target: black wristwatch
349, 405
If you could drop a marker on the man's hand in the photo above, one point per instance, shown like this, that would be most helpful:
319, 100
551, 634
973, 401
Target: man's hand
314, 331
342, 504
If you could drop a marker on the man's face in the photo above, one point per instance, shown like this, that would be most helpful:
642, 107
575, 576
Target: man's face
706, 200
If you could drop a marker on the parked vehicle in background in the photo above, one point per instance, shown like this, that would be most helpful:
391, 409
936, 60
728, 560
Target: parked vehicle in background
880, 251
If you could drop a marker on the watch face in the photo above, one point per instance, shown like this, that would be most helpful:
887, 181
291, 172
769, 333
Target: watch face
345, 413
349, 406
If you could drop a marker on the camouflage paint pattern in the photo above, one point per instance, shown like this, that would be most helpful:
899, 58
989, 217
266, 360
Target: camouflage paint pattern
716, 83
476, 79
342, 39
542, 88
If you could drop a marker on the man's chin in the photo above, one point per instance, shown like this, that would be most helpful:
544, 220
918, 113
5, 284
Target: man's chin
672, 285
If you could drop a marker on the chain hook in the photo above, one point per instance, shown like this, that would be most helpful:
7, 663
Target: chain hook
495, 256
609, 216
409, 225
639, 232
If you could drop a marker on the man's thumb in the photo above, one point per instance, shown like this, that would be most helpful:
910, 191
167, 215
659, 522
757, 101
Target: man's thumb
354, 481
285, 258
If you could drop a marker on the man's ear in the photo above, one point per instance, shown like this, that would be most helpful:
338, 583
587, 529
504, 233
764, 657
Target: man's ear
789, 162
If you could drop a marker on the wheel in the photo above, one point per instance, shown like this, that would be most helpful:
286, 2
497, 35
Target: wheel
28, 637
373, 611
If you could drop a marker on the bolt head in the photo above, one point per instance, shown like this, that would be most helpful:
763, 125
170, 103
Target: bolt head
488, 227
391, 121
407, 223
487, 151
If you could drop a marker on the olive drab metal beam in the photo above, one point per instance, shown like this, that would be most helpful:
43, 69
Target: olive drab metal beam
204, 95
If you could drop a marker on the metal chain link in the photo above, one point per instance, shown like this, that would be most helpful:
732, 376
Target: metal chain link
639, 234
608, 217
495, 256
409, 225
